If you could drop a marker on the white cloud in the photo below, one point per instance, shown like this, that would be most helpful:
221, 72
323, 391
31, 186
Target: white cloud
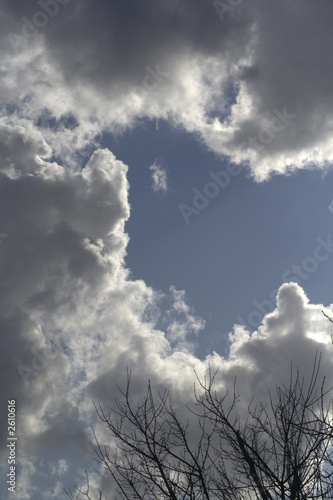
160, 177
64, 284
62, 273
72, 288
288, 337
70, 284
220, 81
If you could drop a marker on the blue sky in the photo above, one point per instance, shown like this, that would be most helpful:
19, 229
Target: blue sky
165, 207
236, 250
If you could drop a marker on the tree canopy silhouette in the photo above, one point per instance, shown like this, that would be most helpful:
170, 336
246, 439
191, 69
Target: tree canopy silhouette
281, 449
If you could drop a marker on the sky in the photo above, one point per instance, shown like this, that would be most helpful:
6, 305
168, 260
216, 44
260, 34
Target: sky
166, 192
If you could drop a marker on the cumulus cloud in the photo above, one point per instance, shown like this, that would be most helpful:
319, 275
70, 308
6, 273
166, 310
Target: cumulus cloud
75, 321
244, 90
72, 320
287, 340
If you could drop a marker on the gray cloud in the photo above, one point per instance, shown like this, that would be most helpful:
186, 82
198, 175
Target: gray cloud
99, 66
73, 290
261, 50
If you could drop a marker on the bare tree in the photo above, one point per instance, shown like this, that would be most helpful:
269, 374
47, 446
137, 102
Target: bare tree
281, 450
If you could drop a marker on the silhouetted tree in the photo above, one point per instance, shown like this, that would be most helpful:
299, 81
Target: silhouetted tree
281, 450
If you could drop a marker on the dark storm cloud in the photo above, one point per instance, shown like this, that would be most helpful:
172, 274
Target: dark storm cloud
105, 43
179, 59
